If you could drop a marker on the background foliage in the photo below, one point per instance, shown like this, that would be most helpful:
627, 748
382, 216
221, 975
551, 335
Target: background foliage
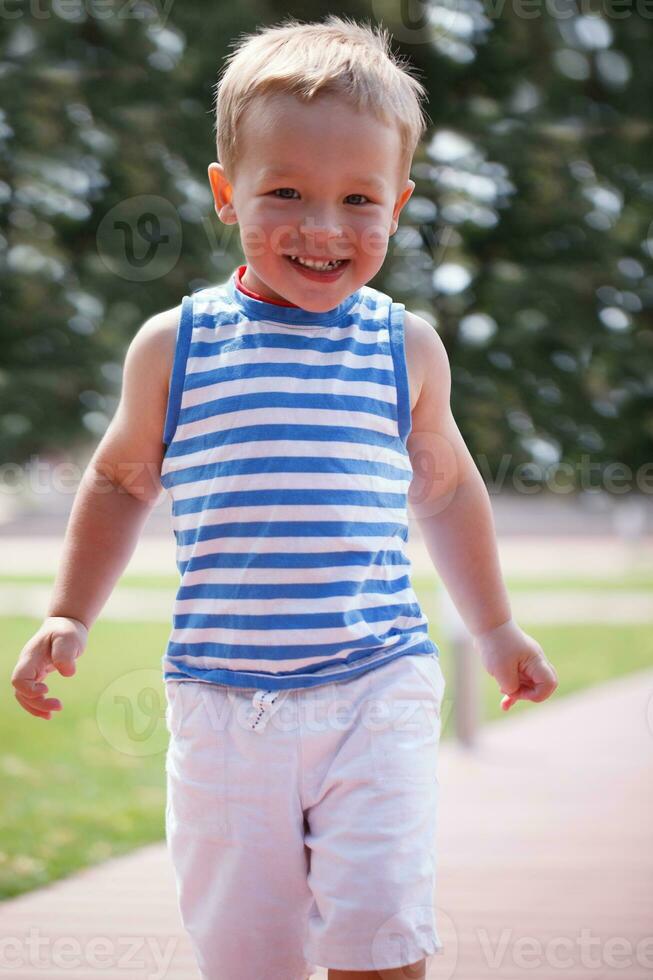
527, 243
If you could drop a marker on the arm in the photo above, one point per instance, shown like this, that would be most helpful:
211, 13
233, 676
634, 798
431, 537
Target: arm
121, 483
118, 489
448, 496
452, 508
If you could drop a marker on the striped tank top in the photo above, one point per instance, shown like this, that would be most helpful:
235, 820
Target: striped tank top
288, 473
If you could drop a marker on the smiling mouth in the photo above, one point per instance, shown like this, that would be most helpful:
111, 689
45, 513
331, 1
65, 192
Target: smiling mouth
317, 265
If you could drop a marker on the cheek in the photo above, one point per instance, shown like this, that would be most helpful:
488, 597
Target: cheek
264, 231
372, 235
278, 230
371, 227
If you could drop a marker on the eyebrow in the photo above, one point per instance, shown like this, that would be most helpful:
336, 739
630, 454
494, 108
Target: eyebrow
369, 180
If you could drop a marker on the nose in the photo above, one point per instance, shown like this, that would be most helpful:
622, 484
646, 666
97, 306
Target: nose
321, 226
321, 233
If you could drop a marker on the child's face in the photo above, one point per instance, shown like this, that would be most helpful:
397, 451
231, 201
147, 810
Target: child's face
319, 203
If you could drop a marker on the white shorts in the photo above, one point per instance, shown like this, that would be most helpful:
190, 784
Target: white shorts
301, 824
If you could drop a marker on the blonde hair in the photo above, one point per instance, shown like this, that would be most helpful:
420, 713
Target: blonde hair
337, 56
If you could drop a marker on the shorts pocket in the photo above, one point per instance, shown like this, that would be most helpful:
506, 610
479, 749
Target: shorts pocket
429, 666
196, 764
404, 728
171, 689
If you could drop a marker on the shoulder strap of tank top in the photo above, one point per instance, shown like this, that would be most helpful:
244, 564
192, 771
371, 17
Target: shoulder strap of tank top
397, 346
184, 333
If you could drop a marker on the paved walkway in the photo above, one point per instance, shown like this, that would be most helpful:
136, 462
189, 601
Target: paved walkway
45, 506
534, 608
545, 840
529, 557
532, 556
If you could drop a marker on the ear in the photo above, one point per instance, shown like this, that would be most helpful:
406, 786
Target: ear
399, 203
222, 194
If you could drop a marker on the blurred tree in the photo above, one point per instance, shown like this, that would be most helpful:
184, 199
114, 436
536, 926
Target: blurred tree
533, 207
527, 243
106, 214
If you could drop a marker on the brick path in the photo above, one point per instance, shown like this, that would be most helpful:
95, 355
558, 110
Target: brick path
531, 557
532, 608
545, 843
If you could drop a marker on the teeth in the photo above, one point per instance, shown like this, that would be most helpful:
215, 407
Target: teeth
313, 264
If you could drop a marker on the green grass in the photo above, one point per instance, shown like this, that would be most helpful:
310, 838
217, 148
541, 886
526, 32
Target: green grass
582, 654
90, 783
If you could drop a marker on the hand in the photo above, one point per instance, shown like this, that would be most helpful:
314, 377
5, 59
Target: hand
518, 664
55, 646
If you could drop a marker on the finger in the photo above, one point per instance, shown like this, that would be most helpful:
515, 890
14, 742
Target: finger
522, 693
541, 691
28, 686
64, 652
28, 707
42, 703
534, 692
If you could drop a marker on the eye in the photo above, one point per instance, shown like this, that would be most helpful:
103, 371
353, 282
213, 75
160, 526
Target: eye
278, 189
278, 192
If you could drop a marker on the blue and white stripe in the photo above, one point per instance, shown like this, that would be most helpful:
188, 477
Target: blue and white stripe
287, 467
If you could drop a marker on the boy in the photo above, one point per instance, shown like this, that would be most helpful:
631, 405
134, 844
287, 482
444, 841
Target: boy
285, 411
